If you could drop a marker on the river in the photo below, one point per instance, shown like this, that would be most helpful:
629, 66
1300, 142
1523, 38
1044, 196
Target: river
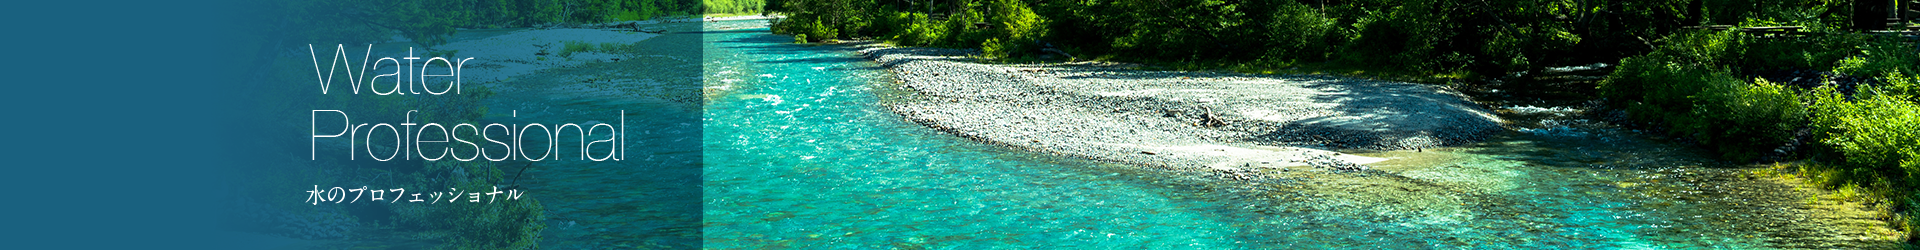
800, 152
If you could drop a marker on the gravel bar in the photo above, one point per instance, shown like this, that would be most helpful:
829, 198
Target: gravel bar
1110, 112
1260, 134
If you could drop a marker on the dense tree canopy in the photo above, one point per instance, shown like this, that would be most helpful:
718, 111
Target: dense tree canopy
1488, 36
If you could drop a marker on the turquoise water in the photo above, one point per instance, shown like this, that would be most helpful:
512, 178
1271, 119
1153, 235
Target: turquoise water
799, 153
651, 199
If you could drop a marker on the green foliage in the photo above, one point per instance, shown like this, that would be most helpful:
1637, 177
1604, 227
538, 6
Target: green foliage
958, 31
640, 12
806, 28
1880, 56
1742, 119
733, 6
1703, 48
1899, 84
819, 32
996, 48
570, 47
1403, 37
514, 224
1300, 32
800, 38
1018, 30
1684, 87
1876, 137
599, 11
1877, 132
823, 20
918, 30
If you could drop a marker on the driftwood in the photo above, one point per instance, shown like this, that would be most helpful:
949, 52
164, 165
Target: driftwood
1209, 119
635, 27
627, 25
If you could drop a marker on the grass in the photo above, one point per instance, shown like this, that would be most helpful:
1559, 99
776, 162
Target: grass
1880, 197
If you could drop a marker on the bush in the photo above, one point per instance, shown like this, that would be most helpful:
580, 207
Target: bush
1877, 132
1019, 30
960, 32
1300, 32
572, 47
818, 32
1742, 120
1877, 139
917, 29
1880, 56
812, 28
506, 224
1682, 87
1706, 48
1403, 37
1899, 84
1817, 54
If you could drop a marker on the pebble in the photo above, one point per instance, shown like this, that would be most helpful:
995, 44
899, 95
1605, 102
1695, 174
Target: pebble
1108, 111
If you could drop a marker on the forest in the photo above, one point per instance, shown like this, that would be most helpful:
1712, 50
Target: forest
1822, 89
734, 6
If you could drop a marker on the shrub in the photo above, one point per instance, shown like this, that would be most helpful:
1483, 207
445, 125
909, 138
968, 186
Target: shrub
1742, 120
812, 28
1403, 37
918, 29
1877, 139
1706, 48
1877, 132
1880, 56
572, 47
887, 24
818, 32
1899, 84
1297, 31
1018, 31
852, 27
1679, 87
996, 48
960, 32
1665, 77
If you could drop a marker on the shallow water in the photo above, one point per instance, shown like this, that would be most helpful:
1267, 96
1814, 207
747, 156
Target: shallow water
651, 199
799, 153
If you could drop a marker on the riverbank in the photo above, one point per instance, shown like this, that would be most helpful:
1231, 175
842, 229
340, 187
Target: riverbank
1113, 112
810, 117
1230, 126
